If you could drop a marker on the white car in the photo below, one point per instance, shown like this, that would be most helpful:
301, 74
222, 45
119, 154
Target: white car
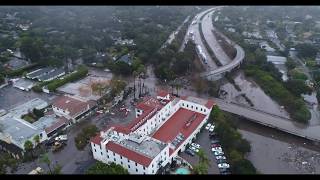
208, 126
194, 149
218, 153
197, 146
211, 129
223, 165
216, 149
221, 157
61, 138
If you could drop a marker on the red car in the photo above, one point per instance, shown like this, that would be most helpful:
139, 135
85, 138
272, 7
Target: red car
215, 145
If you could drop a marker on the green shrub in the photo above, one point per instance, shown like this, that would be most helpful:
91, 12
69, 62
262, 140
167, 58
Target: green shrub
82, 139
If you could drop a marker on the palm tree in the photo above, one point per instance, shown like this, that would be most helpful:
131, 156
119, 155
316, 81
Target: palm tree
45, 159
28, 146
178, 87
36, 139
135, 73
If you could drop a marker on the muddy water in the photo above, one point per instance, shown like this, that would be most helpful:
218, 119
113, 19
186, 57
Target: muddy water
260, 100
275, 152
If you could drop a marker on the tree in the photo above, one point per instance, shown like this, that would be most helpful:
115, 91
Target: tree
290, 64
57, 169
178, 87
45, 159
28, 146
235, 156
202, 166
117, 86
101, 168
1, 79
243, 166
135, 74
38, 112
298, 87
306, 50
36, 139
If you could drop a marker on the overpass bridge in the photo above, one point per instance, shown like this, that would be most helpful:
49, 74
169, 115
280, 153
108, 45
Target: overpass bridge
284, 124
205, 19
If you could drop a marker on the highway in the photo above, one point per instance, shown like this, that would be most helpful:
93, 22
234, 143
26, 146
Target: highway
212, 70
194, 28
212, 41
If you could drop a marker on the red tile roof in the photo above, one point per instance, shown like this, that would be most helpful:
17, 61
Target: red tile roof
61, 121
96, 139
74, 106
210, 104
177, 123
130, 154
171, 151
122, 129
149, 103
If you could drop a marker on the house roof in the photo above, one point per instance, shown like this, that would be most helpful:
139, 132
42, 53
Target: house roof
178, 123
74, 105
130, 154
149, 103
125, 58
59, 123
204, 102
96, 139
52, 74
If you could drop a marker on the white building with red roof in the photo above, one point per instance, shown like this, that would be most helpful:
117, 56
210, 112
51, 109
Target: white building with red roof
162, 128
71, 107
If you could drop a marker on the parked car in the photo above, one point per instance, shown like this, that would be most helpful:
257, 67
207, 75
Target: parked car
195, 145
50, 142
208, 126
220, 157
218, 153
224, 171
211, 129
220, 161
190, 152
194, 149
223, 165
215, 145
216, 149
215, 141
61, 138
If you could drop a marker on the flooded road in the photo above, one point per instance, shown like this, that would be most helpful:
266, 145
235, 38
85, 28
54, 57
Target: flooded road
275, 152
257, 96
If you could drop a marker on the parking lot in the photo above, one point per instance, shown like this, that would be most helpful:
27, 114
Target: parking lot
204, 141
11, 97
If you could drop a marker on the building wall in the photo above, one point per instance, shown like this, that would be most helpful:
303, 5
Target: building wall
102, 154
106, 156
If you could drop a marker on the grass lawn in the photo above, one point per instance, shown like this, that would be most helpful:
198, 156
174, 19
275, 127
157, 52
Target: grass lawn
29, 118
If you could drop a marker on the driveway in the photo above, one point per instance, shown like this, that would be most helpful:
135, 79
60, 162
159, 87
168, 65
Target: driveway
204, 141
